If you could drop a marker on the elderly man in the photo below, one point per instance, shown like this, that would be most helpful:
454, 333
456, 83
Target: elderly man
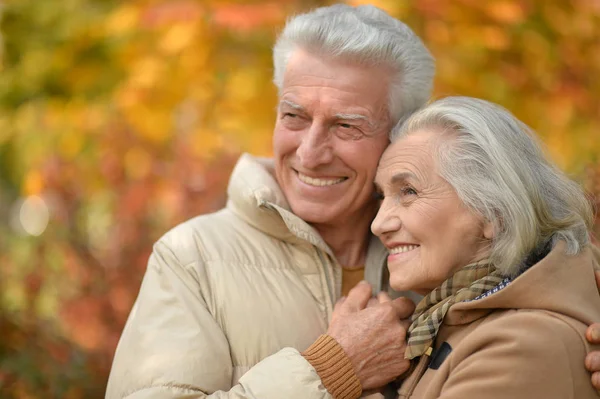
240, 303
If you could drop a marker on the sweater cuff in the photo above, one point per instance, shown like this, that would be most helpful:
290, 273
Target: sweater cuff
334, 368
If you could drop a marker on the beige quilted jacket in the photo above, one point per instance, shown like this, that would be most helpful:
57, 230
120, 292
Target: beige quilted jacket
230, 298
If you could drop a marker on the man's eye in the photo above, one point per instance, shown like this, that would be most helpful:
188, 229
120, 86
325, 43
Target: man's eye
348, 132
378, 196
289, 114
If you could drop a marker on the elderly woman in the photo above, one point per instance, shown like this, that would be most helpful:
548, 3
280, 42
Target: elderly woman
496, 237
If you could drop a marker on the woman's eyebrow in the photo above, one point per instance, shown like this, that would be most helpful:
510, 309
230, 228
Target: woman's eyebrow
402, 177
396, 179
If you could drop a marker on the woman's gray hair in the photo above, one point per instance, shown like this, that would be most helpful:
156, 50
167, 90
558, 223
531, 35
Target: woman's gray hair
498, 169
368, 36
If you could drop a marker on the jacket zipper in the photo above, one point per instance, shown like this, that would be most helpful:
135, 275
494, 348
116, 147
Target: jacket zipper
329, 306
410, 383
328, 282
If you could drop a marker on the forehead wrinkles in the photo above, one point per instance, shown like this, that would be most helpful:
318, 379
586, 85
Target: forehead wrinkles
337, 100
417, 159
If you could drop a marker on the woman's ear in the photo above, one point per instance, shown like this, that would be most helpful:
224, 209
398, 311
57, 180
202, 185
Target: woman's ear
489, 230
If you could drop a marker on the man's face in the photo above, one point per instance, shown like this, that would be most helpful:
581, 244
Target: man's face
332, 127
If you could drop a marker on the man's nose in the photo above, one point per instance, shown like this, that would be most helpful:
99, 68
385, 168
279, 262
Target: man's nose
316, 147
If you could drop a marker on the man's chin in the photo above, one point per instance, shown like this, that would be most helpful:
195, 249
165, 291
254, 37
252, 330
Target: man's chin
315, 213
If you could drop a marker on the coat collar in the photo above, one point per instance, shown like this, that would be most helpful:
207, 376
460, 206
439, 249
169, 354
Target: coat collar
255, 196
558, 283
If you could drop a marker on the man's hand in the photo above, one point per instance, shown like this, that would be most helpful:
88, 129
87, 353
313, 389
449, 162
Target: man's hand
374, 336
592, 360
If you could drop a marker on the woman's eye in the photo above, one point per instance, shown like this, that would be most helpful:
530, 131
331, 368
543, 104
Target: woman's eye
409, 191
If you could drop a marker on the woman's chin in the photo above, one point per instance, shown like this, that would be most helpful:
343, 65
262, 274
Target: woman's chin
402, 284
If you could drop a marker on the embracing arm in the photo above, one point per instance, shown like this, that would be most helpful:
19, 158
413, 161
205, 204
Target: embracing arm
524, 355
172, 347
592, 360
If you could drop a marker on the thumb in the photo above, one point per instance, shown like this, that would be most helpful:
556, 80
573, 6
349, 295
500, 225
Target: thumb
339, 303
404, 307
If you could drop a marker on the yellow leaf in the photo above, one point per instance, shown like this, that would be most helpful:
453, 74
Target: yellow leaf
496, 38
437, 31
206, 143
177, 38
5, 129
389, 6
560, 111
70, 144
138, 163
147, 72
33, 183
150, 123
509, 12
123, 20
194, 59
243, 84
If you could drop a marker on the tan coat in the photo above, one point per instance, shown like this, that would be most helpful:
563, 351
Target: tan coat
229, 299
525, 341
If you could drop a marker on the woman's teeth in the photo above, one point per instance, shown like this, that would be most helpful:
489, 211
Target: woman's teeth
402, 248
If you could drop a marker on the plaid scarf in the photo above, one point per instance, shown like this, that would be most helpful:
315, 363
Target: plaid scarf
466, 284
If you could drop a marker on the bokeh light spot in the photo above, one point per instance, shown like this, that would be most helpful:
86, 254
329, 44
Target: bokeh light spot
34, 215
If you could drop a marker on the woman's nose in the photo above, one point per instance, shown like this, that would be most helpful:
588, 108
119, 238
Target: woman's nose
386, 221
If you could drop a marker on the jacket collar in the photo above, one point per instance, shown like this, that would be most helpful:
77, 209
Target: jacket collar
558, 283
255, 196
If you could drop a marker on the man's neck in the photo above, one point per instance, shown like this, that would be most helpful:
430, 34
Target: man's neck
349, 240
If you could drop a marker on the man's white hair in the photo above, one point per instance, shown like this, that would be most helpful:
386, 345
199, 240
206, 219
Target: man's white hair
368, 36
498, 169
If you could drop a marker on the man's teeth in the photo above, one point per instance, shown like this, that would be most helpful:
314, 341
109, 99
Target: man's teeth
319, 182
402, 248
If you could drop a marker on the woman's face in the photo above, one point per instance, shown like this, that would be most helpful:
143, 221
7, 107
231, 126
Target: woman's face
428, 231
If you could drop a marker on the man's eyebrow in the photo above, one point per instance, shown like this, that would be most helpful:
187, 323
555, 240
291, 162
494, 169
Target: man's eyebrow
355, 117
292, 104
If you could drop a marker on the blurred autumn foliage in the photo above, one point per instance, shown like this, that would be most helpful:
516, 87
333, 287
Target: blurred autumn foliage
119, 120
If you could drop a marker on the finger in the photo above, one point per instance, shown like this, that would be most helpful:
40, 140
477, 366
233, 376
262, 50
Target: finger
372, 302
597, 274
358, 297
383, 297
405, 323
596, 380
339, 303
404, 307
592, 334
592, 362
